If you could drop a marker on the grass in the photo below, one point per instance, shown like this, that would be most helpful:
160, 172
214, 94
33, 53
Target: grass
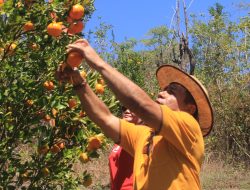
215, 175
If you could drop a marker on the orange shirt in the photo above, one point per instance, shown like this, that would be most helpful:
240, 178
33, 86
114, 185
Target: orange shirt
170, 159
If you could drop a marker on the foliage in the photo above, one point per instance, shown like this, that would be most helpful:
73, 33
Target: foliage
41, 134
221, 49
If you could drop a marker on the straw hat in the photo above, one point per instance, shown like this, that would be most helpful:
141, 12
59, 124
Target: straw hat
167, 74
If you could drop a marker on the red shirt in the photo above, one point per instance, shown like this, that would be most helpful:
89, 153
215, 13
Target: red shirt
121, 169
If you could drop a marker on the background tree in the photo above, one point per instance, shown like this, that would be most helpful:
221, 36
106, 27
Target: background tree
221, 50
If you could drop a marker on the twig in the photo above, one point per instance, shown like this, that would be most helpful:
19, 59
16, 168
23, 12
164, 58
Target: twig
190, 4
244, 151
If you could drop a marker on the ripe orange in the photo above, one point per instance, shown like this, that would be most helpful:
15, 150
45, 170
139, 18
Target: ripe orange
84, 157
29, 102
1, 2
47, 118
75, 27
61, 145
48, 85
100, 136
11, 47
83, 74
43, 149
76, 12
28, 26
72, 103
82, 114
101, 81
74, 59
54, 112
93, 143
99, 88
54, 29
34, 46
45, 171
55, 149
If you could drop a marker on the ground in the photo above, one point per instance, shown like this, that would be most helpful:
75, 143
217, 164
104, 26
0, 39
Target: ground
215, 174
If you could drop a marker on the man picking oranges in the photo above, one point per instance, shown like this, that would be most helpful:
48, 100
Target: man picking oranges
168, 151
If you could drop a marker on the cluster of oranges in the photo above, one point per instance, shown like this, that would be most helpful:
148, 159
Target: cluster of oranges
74, 19
94, 142
54, 149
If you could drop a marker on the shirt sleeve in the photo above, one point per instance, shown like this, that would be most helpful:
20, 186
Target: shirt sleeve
129, 136
180, 129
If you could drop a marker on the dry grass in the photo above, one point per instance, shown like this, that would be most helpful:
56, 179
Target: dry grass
215, 175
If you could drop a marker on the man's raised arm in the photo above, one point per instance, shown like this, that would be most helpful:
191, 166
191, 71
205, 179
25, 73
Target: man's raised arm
129, 94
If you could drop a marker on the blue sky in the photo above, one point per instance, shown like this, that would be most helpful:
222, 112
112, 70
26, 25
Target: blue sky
134, 18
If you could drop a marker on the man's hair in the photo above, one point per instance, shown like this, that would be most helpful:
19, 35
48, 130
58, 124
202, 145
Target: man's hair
189, 99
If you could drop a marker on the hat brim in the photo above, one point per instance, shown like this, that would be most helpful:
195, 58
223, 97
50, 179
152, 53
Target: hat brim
167, 74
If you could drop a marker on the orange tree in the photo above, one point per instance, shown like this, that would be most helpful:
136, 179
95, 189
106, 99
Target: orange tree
43, 130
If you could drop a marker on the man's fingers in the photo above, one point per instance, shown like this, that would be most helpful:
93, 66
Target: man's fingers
83, 42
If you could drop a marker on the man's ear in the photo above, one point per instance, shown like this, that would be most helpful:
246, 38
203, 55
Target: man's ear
191, 108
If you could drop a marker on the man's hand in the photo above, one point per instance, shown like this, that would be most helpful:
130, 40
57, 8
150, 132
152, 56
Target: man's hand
65, 73
83, 47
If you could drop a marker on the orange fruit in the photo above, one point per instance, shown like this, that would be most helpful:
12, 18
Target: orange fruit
84, 157
93, 143
10, 48
72, 103
100, 136
29, 102
48, 85
55, 149
28, 26
75, 27
1, 2
13, 46
82, 114
76, 12
54, 29
43, 149
99, 88
47, 118
101, 81
61, 145
83, 74
54, 112
34, 46
45, 171
74, 59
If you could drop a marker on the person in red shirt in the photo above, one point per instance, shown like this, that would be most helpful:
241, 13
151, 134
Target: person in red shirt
121, 162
